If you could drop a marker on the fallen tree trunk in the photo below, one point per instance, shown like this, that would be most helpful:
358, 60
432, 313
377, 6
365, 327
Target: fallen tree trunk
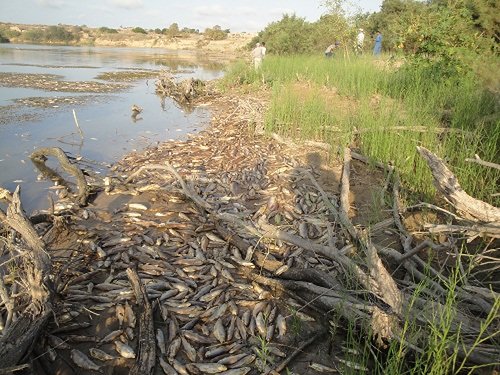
446, 182
18, 338
146, 357
83, 189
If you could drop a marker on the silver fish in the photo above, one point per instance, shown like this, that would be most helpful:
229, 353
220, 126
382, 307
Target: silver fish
321, 368
124, 350
111, 336
160, 340
188, 349
101, 355
167, 369
173, 348
219, 331
82, 361
210, 368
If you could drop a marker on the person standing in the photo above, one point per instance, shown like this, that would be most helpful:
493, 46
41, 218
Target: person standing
257, 55
360, 40
378, 44
264, 49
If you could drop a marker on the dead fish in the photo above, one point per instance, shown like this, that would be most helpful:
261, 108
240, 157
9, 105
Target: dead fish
167, 369
212, 237
321, 368
246, 360
353, 365
120, 314
217, 351
173, 348
210, 368
124, 350
212, 295
231, 329
220, 311
57, 343
270, 333
129, 315
160, 340
246, 318
51, 353
261, 324
111, 336
81, 360
179, 367
274, 350
232, 359
101, 355
219, 331
188, 349
236, 371
137, 206
242, 329
193, 336
281, 325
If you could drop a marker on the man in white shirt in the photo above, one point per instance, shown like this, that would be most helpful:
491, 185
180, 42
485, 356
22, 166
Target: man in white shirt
360, 41
257, 55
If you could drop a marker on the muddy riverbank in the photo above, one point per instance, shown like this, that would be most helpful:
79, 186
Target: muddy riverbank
250, 248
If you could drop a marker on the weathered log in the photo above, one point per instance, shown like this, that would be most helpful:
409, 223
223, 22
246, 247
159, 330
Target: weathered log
83, 189
146, 358
446, 182
17, 340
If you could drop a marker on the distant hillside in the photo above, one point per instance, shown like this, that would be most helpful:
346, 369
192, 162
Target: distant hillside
211, 40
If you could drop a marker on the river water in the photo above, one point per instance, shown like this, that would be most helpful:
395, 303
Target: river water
43, 117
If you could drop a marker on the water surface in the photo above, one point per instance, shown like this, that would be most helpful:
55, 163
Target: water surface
105, 119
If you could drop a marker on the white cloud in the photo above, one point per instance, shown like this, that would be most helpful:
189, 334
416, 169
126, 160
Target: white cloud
51, 3
128, 4
211, 10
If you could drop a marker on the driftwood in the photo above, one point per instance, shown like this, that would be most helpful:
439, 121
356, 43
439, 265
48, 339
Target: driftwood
146, 358
448, 185
18, 338
182, 92
83, 189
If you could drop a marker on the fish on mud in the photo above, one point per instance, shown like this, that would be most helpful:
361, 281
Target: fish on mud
124, 350
101, 355
209, 368
81, 360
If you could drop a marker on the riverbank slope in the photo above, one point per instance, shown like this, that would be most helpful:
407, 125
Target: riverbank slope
230, 44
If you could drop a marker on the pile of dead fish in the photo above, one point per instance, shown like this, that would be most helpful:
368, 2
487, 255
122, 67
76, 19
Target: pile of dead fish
209, 318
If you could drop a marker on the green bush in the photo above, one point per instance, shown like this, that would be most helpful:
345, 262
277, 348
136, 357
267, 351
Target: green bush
107, 30
52, 34
290, 35
215, 33
139, 30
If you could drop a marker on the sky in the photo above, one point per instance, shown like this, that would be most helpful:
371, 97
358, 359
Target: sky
236, 15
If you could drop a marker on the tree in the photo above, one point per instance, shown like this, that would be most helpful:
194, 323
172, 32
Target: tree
290, 35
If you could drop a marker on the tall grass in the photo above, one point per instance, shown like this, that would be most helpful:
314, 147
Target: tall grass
391, 111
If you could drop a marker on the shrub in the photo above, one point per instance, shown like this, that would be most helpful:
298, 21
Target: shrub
215, 33
107, 30
139, 30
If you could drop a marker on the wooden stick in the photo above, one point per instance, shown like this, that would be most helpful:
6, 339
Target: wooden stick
344, 191
77, 125
479, 161
146, 358
295, 353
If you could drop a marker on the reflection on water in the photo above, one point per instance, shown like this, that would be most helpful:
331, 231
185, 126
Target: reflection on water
107, 121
